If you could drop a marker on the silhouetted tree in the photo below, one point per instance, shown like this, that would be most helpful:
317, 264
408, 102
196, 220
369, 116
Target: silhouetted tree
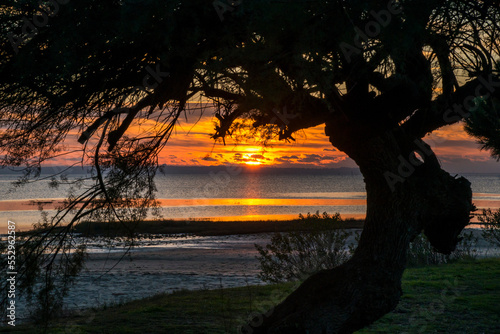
380, 74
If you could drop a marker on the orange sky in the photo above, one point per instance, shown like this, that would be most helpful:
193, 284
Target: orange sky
191, 145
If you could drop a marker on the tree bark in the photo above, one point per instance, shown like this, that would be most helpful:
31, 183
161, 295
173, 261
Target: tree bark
405, 196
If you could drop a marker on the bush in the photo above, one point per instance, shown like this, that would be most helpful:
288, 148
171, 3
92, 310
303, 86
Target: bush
491, 229
421, 253
297, 255
323, 243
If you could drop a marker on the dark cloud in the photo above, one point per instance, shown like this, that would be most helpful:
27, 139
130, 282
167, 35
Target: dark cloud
281, 160
286, 159
330, 158
207, 158
310, 158
459, 143
469, 165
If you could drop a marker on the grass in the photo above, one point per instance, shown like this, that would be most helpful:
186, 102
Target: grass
462, 297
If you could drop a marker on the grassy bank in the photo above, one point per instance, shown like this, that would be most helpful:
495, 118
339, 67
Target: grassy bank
461, 297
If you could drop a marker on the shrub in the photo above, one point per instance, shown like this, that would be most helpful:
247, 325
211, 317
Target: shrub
323, 243
491, 229
299, 254
421, 253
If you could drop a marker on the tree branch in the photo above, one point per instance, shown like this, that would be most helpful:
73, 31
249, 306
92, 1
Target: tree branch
449, 110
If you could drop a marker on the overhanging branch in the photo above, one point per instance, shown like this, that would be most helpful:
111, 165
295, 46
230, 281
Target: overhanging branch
449, 110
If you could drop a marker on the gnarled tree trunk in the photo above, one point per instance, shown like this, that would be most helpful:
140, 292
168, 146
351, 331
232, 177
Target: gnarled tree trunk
405, 195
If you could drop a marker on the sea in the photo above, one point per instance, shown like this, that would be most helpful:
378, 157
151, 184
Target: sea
228, 193
170, 263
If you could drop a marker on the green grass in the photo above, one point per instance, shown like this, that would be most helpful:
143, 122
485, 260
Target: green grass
462, 297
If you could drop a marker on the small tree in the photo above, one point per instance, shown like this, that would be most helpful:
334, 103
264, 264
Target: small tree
491, 221
421, 253
299, 254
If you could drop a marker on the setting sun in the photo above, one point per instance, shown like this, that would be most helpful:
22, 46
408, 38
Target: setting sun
254, 157
253, 163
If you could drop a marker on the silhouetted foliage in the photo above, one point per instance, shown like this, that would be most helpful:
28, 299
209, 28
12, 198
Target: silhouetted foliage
421, 252
299, 254
491, 221
484, 124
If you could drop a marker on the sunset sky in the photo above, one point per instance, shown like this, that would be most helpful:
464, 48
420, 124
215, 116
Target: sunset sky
191, 145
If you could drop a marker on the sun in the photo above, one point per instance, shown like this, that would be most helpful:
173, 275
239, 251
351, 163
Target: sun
253, 163
253, 156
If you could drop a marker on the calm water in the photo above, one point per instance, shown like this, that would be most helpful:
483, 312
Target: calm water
226, 260
237, 197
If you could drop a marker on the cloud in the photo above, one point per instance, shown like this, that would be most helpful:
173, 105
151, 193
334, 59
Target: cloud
310, 158
280, 160
286, 159
312, 148
460, 143
330, 158
208, 158
466, 165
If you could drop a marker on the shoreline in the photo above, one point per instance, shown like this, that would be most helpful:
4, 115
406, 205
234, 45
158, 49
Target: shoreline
210, 227
207, 227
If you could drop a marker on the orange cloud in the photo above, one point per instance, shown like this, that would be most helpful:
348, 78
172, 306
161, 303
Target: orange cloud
190, 144
311, 148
